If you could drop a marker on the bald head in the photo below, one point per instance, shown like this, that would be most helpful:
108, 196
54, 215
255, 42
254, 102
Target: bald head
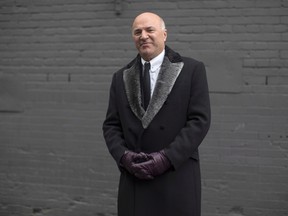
149, 34
149, 15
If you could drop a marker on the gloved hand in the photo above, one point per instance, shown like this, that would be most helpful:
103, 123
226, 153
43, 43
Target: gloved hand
157, 164
129, 158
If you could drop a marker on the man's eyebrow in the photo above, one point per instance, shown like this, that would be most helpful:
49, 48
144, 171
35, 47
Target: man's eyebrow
150, 27
140, 28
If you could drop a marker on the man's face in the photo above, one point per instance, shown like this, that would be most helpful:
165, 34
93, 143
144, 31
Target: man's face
149, 35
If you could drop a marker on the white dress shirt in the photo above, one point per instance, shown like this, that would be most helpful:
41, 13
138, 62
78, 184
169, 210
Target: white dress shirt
154, 69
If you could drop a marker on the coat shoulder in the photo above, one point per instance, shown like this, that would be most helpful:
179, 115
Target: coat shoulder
189, 60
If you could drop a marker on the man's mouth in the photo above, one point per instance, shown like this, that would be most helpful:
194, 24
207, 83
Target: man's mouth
144, 44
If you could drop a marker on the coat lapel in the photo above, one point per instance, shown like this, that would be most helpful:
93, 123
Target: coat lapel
131, 78
166, 79
165, 82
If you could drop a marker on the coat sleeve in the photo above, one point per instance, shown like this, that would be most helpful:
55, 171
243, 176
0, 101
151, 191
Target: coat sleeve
198, 117
112, 128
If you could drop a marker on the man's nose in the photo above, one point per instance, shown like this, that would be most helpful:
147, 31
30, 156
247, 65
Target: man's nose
144, 35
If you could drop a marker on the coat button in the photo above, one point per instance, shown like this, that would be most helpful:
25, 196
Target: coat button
162, 127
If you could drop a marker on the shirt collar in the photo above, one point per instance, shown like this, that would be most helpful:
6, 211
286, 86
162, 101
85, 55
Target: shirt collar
155, 62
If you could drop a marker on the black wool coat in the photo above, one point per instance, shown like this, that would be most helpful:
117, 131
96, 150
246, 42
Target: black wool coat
176, 120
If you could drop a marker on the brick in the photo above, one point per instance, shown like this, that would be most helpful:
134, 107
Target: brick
263, 54
284, 54
250, 80
275, 80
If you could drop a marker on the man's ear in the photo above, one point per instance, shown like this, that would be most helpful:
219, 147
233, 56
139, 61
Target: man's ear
165, 35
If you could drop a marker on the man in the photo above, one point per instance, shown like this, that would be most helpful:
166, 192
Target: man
154, 137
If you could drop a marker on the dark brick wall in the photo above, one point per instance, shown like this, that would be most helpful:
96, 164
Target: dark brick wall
56, 62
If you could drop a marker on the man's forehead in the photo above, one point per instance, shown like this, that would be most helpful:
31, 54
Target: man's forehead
144, 24
141, 27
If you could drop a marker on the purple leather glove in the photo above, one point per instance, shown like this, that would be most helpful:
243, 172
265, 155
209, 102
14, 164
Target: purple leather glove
157, 164
129, 158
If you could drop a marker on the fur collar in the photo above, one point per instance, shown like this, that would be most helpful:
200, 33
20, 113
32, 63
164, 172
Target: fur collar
170, 69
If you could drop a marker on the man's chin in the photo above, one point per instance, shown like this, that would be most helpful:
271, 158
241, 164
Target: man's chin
145, 55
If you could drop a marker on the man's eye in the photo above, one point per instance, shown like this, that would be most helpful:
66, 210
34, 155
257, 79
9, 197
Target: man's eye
150, 30
137, 32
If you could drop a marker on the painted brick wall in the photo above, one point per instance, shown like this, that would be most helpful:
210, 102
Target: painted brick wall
56, 62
